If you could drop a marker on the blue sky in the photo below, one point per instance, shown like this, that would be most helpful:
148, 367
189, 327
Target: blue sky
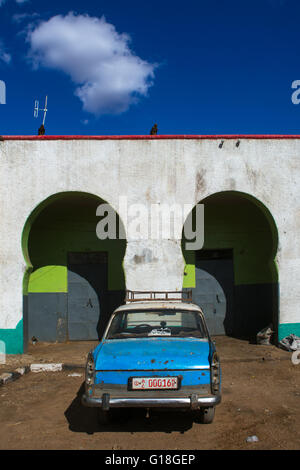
113, 67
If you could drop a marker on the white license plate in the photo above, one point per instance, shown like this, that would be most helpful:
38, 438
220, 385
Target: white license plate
155, 383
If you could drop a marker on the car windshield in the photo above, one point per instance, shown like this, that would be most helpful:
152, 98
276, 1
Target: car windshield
153, 323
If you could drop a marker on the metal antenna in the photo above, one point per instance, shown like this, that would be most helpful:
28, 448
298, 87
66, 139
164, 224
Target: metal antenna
37, 109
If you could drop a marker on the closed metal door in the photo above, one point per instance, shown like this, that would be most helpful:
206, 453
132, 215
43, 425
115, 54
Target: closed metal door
210, 297
87, 294
214, 293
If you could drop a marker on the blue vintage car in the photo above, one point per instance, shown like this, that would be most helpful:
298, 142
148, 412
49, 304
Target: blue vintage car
154, 354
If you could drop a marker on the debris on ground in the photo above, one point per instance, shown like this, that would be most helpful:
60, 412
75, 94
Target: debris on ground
45, 367
290, 343
252, 439
74, 374
264, 336
296, 357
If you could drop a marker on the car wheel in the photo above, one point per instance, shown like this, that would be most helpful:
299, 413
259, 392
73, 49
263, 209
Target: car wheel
206, 415
104, 417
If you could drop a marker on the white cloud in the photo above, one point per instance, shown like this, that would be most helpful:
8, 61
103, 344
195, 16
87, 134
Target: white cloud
17, 1
19, 17
108, 75
4, 56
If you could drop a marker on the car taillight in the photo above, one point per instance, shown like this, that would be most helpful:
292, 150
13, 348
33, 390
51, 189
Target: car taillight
215, 373
89, 370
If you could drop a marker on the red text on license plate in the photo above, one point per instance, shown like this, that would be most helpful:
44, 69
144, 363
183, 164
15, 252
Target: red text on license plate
150, 383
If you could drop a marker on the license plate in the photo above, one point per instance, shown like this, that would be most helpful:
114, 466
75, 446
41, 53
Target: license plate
154, 383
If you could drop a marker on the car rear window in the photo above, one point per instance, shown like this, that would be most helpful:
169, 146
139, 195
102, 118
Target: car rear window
151, 323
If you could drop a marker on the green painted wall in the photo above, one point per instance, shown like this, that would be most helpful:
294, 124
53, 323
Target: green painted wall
285, 329
49, 279
68, 224
237, 223
13, 339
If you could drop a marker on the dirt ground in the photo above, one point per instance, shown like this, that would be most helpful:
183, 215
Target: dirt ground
260, 396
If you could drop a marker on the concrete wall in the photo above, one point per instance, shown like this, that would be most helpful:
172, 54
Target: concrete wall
147, 170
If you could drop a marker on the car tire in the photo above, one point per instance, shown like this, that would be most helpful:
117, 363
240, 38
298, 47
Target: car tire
103, 416
206, 415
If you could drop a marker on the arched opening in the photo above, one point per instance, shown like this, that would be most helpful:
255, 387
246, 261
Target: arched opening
74, 280
240, 245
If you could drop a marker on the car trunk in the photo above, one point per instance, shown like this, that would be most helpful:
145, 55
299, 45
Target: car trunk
117, 361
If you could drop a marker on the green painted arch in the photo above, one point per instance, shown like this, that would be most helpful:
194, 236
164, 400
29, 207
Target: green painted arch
57, 269
39, 208
211, 241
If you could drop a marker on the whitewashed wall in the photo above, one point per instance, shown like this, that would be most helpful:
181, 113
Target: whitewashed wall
149, 171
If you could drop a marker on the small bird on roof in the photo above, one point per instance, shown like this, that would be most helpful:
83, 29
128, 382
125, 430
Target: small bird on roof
154, 130
41, 130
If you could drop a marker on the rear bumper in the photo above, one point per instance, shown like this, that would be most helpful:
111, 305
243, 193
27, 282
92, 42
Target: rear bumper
193, 402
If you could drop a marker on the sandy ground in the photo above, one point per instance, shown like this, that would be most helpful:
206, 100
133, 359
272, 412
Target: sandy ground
261, 396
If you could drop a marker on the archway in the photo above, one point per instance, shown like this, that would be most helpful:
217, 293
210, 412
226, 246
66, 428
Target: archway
74, 280
240, 245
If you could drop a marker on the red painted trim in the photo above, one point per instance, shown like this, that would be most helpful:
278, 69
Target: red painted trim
146, 137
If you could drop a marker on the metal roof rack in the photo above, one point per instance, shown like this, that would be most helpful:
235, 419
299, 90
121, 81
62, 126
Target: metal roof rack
139, 296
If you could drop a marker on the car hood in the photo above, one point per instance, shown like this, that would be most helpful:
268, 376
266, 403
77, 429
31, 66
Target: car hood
152, 354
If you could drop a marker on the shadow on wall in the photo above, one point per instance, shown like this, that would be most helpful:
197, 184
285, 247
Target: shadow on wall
239, 227
64, 224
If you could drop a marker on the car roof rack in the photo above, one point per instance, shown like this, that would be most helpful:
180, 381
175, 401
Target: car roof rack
142, 296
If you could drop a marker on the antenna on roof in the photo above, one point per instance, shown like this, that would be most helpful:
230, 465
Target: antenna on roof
41, 130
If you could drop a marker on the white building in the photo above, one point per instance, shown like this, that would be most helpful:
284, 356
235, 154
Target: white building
59, 281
